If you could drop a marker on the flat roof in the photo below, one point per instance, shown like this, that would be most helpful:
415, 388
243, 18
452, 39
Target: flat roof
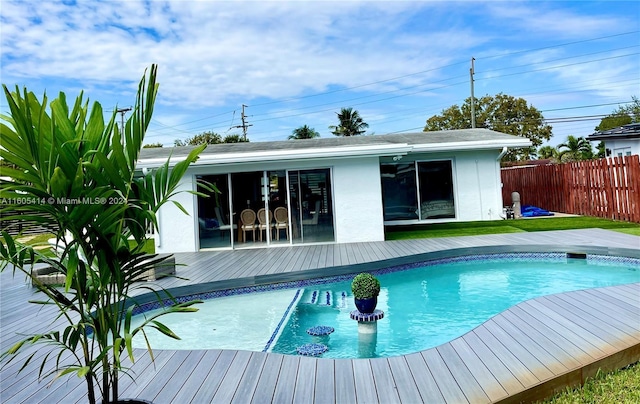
352, 146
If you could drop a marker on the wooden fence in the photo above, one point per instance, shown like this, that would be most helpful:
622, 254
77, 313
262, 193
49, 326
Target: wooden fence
608, 188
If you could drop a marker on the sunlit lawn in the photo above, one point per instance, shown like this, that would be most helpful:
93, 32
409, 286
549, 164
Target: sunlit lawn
458, 229
622, 386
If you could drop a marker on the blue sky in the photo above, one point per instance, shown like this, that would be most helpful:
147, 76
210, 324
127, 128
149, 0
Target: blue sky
297, 63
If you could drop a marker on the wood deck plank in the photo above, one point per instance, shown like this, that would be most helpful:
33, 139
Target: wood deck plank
248, 384
601, 325
429, 390
597, 343
404, 382
268, 378
444, 379
533, 358
621, 321
196, 377
364, 382
305, 381
560, 360
176, 381
498, 369
462, 375
228, 387
384, 381
489, 384
285, 386
214, 377
325, 391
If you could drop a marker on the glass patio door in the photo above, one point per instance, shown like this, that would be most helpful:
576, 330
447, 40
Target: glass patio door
311, 206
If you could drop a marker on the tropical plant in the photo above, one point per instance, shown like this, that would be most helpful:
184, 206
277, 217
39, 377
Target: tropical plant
547, 152
351, 123
304, 132
365, 286
575, 149
71, 172
502, 113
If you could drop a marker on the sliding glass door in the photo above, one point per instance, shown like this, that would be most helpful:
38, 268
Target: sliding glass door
265, 208
311, 206
216, 226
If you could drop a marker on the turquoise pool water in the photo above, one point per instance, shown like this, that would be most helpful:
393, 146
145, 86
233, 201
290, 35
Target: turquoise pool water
425, 306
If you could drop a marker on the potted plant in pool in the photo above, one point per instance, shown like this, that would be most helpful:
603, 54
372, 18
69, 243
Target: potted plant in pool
365, 288
74, 174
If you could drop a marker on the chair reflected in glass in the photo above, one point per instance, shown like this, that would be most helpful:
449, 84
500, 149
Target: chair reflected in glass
281, 216
248, 223
264, 221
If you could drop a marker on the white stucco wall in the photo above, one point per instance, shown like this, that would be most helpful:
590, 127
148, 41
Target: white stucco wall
177, 231
622, 145
358, 200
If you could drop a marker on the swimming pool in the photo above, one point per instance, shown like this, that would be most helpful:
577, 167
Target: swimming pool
425, 304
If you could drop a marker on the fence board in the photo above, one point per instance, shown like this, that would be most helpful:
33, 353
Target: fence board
607, 188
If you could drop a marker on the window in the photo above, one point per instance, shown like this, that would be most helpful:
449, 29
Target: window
417, 190
399, 191
436, 190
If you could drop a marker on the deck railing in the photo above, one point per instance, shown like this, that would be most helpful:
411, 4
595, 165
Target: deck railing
607, 188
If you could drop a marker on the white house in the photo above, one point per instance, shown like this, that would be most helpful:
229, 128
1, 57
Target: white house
332, 190
621, 141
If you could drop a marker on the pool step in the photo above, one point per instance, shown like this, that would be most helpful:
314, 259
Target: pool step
325, 298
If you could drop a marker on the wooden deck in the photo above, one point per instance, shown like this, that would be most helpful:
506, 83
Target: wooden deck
524, 353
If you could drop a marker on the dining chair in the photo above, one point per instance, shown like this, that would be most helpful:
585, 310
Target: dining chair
281, 216
264, 221
248, 223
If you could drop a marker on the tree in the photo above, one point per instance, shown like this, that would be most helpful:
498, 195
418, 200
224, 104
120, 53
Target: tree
202, 138
622, 116
235, 139
78, 176
304, 132
502, 113
547, 152
152, 145
351, 124
601, 151
209, 138
575, 149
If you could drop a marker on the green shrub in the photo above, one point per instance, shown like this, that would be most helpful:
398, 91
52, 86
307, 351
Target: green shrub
365, 286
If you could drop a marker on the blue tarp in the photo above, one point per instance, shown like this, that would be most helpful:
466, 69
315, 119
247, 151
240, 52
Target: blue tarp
533, 211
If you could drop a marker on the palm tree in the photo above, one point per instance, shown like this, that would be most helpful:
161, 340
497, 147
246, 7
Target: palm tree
351, 123
547, 152
304, 132
575, 149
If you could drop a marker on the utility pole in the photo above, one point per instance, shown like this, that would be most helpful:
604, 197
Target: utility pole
473, 102
244, 125
122, 111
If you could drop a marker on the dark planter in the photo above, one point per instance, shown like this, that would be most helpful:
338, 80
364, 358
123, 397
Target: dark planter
366, 305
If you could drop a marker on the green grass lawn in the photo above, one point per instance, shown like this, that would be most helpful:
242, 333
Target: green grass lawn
622, 386
507, 226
